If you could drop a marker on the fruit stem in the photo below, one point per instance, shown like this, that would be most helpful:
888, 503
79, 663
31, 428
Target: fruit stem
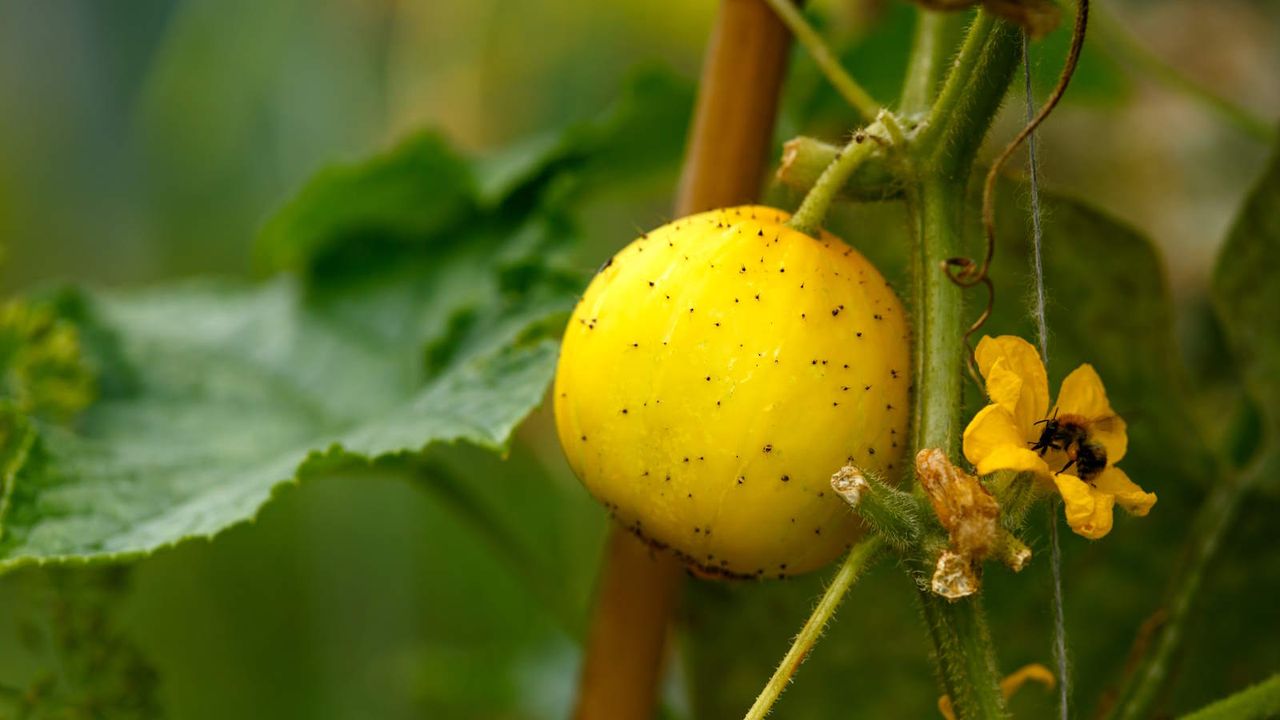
827, 62
862, 556
808, 219
804, 159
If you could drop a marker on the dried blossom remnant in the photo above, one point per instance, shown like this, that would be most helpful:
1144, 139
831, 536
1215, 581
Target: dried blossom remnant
964, 506
968, 512
849, 483
1037, 17
1012, 552
955, 576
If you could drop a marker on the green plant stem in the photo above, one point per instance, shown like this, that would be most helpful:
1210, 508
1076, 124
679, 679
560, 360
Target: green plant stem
939, 321
971, 97
961, 641
1121, 43
827, 62
859, 558
929, 55
1148, 680
804, 160
945, 153
808, 218
962, 644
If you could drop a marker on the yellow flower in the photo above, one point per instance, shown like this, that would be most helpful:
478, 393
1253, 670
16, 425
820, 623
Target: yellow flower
1075, 444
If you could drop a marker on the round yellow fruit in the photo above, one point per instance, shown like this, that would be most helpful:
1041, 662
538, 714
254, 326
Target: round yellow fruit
715, 374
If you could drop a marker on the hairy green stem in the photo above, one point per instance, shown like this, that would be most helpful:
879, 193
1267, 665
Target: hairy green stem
961, 641
962, 645
930, 52
804, 159
939, 351
971, 97
827, 62
862, 555
808, 218
945, 154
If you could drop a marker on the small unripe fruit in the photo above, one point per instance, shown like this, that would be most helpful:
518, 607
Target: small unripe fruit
717, 372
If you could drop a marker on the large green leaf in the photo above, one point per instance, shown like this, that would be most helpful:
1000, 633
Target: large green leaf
1246, 288
214, 393
239, 389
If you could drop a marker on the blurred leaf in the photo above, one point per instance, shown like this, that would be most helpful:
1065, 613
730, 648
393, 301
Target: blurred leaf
873, 660
1255, 703
1098, 79
1246, 288
95, 668
406, 195
644, 131
1109, 305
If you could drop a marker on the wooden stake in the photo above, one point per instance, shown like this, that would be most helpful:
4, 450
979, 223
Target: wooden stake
729, 146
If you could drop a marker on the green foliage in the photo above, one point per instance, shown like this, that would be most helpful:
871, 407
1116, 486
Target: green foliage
41, 369
1254, 703
1246, 289
407, 196
241, 389
100, 672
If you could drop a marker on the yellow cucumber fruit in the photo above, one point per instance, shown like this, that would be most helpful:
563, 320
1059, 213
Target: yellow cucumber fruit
715, 374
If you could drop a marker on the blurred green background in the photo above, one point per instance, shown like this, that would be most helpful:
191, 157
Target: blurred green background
149, 140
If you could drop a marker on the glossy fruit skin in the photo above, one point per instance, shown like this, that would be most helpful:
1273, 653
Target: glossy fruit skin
715, 374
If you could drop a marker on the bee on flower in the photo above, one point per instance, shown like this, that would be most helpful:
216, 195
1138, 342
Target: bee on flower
1072, 446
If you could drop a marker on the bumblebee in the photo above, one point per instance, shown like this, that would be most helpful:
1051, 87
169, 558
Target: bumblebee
1070, 435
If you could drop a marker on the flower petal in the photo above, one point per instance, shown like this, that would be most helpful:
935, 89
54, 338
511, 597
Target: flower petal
1009, 457
1088, 511
1128, 495
993, 442
1021, 359
1082, 394
1004, 386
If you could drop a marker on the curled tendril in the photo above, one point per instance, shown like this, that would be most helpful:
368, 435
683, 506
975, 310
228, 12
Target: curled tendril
964, 271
